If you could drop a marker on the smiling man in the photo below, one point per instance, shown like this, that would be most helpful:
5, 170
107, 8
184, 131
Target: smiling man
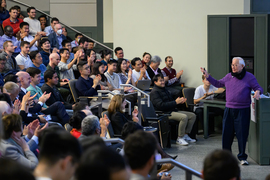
8, 36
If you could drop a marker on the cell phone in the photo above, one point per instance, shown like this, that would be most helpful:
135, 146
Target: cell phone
48, 117
166, 174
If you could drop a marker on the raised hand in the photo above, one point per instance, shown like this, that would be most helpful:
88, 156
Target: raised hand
205, 73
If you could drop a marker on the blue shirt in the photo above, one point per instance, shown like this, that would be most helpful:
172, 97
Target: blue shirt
60, 39
45, 57
48, 30
14, 41
84, 87
74, 44
3, 16
42, 68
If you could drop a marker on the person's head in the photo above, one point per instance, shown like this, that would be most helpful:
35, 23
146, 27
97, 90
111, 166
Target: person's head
58, 29
3, 61
91, 55
76, 120
13, 89
83, 42
35, 74
54, 21
8, 47
45, 44
42, 19
65, 33
31, 11
222, 165
90, 44
25, 79
106, 54
98, 68
121, 65
117, 104
102, 163
36, 57
25, 47
205, 81
59, 150
13, 12
112, 65
129, 128
3, 4
88, 142
146, 57
5, 97
54, 59
12, 78
83, 68
67, 44
136, 64
5, 108
169, 61
155, 62
8, 30
18, 9
238, 64
24, 28
78, 36
79, 106
91, 126
119, 53
12, 124
64, 53
159, 80
51, 77
136, 143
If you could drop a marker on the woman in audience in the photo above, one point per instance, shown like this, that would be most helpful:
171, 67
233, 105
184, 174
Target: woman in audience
91, 58
98, 68
124, 72
106, 55
4, 14
146, 59
76, 122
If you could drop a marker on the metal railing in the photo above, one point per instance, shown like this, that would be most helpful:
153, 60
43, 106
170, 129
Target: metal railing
42, 12
114, 140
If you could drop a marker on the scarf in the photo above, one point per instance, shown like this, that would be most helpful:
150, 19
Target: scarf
240, 75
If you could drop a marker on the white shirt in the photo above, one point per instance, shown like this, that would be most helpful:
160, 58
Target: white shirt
136, 75
114, 80
34, 26
200, 91
22, 60
29, 39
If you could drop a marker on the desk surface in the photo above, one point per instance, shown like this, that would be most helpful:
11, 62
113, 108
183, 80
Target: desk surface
214, 101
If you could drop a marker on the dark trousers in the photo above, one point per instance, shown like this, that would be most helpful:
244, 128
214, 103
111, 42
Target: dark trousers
236, 121
58, 113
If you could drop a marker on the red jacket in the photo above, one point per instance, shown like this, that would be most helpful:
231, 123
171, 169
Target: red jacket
15, 26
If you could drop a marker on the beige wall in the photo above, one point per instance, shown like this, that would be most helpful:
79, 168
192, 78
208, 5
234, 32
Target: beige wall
108, 21
43, 5
172, 27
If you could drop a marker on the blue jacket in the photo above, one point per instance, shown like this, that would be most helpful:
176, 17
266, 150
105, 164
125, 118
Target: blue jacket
84, 87
54, 41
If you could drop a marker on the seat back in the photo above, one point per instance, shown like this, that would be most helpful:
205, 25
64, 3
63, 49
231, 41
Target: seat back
110, 128
188, 93
147, 112
72, 87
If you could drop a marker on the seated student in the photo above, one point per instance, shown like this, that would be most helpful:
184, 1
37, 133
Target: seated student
66, 44
106, 56
65, 33
13, 89
162, 100
43, 22
8, 36
49, 29
51, 80
23, 59
11, 64
91, 44
118, 118
76, 123
75, 43
124, 72
4, 14
91, 57
138, 72
13, 20
98, 69
14, 146
59, 155
220, 164
65, 68
36, 58
20, 16
146, 59
3, 61
45, 53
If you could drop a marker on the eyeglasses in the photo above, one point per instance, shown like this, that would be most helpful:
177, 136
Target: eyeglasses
234, 65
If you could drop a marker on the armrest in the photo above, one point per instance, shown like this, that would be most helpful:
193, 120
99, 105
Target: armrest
117, 136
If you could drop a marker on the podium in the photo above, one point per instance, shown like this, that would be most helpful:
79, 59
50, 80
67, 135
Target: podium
259, 133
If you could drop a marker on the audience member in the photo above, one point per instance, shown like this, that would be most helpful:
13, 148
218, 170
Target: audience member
4, 14
13, 21
3, 61
11, 64
13, 90
20, 16
24, 29
138, 72
8, 36
65, 33
56, 37
50, 29
83, 42
76, 123
91, 57
65, 68
34, 24
124, 72
13, 78
162, 100
36, 58
153, 68
146, 59
45, 53
106, 56
43, 22
75, 42
222, 165
5, 109
91, 44
23, 59
119, 53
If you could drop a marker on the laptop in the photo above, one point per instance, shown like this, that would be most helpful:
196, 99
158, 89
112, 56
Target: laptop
144, 84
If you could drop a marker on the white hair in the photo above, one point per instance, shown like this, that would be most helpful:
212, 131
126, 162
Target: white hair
156, 59
241, 60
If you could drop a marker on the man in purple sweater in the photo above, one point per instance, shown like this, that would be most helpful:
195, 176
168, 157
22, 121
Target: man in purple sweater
236, 119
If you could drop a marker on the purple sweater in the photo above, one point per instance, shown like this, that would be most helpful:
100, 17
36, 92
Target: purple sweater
237, 91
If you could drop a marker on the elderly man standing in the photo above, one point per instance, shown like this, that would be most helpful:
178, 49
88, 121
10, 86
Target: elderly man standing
236, 119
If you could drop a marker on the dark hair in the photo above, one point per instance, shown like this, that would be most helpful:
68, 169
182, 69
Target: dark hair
155, 78
111, 61
30, 8
23, 24
81, 64
11, 122
64, 42
117, 49
119, 62
33, 71
33, 54
57, 145
88, 52
220, 164
78, 34
10, 169
3, 9
95, 70
6, 27
23, 43
88, 142
137, 143
78, 106
11, 78
43, 40
129, 128
54, 19
90, 41
42, 16
6, 97
167, 58
13, 8
104, 53
76, 120
101, 162
146, 53
17, 7
63, 50
49, 74
83, 40
133, 61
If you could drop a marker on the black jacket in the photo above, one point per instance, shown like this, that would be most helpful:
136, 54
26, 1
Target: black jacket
118, 120
162, 99
152, 74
